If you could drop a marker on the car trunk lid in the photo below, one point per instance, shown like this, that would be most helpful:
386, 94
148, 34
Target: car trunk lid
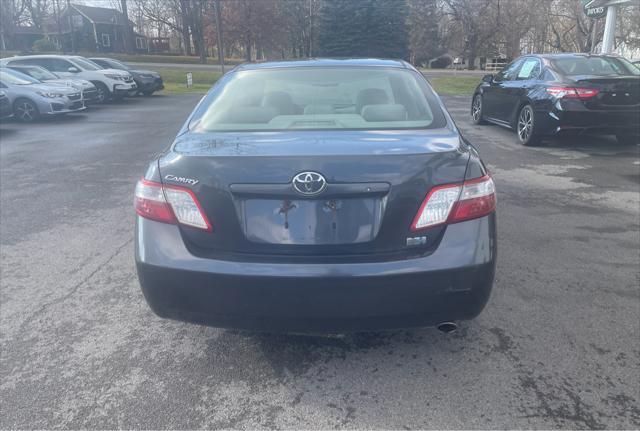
375, 183
613, 92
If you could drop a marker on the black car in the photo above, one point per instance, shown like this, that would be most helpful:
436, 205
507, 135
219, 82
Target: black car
318, 196
147, 81
6, 111
559, 94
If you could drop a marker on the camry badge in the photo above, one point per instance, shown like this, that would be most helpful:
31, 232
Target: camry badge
309, 183
183, 180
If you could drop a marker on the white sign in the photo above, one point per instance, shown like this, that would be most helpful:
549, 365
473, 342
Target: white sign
189, 79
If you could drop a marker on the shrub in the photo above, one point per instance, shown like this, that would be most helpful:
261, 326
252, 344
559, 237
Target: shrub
441, 62
44, 45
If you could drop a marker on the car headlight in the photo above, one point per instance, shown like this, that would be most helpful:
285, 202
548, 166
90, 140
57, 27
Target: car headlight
145, 76
116, 77
49, 95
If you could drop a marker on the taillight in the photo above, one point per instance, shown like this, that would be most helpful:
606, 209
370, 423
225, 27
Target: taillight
453, 203
169, 204
572, 92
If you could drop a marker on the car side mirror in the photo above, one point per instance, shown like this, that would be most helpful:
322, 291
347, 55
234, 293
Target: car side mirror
73, 69
487, 78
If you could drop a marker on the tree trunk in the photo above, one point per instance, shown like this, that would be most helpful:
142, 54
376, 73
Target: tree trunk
247, 51
219, 30
128, 33
186, 35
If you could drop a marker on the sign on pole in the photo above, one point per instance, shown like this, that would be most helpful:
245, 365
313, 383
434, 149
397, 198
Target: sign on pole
189, 79
593, 12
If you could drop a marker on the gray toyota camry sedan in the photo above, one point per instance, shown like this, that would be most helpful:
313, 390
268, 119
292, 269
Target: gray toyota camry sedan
318, 196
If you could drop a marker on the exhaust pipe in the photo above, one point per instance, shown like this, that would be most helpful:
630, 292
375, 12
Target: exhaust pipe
447, 327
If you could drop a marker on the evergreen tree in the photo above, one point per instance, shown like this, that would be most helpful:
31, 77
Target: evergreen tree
425, 42
363, 28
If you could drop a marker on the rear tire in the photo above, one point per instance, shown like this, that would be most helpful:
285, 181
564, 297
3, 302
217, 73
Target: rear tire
525, 127
25, 110
476, 110
628, 139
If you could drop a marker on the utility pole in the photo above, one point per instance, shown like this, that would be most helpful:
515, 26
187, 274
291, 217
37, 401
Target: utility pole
219, 30
609, 30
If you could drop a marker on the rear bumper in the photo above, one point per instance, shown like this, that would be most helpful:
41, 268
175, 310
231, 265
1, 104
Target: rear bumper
453, 283
150, 84
559, 122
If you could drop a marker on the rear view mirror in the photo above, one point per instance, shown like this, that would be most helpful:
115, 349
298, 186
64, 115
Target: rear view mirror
73, 69
487, 78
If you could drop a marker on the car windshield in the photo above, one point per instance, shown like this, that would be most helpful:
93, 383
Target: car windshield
85, 64
16, 78
601, 66
37, 73
115, 64
309, 98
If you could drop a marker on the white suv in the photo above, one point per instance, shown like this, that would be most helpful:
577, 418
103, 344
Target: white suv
110, 83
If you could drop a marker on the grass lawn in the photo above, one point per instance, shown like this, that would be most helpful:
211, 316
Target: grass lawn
455, 85
175, 81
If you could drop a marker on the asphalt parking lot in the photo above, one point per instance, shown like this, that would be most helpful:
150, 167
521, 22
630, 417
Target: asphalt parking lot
557, 346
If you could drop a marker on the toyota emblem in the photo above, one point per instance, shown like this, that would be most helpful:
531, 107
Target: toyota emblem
309, 183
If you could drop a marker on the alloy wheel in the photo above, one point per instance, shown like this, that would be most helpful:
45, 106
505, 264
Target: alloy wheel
525, 124
26, 111
476, 108
102, 95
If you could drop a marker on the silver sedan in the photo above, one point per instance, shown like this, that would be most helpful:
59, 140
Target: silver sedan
32, 99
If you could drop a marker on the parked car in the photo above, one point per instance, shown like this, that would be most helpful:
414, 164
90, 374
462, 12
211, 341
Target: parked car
6, 111
110, 83
147, 81
31, 99
88, 90
318, 196
558, 94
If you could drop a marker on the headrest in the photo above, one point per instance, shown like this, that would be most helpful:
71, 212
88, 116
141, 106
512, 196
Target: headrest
280, 100
370, 96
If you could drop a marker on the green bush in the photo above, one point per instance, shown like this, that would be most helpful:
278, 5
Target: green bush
44, 45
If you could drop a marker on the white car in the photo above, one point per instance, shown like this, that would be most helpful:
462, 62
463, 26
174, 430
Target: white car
110, 83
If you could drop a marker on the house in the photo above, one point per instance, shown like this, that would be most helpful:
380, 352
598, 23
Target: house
97, 29
20, 38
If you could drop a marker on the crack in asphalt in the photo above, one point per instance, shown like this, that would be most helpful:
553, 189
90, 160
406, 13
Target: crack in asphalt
74, 288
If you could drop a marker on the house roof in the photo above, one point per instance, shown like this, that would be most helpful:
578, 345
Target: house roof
100, 15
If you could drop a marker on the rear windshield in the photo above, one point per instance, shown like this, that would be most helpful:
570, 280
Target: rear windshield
310, 98
601, 66
85, 64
